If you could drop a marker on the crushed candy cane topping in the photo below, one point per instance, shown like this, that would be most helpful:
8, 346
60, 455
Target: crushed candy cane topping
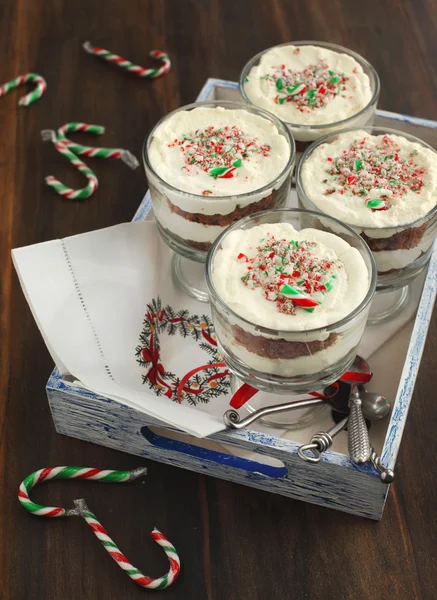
361, 169
218, 151
311, 88
290, 273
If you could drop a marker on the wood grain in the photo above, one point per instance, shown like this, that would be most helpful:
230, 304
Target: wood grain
235, 542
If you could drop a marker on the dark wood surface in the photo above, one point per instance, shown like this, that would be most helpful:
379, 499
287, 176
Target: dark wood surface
235, 542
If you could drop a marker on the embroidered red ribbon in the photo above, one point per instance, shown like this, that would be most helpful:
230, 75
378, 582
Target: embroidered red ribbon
187, 376
151, 355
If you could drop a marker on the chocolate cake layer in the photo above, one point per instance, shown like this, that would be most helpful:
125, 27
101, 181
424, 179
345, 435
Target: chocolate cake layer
202, 246
269, 201
280, 348
403, 240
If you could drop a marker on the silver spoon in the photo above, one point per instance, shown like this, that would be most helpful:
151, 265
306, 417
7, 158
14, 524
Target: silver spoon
374, 407
358, 436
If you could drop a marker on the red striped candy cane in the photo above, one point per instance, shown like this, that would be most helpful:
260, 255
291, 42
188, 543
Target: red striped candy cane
129, 66
114, 552
35, 94
59, 187
91, 151
100, 532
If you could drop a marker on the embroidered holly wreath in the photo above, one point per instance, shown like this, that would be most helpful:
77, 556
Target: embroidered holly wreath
206, 382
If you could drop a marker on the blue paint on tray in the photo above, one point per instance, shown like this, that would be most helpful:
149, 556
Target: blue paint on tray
221, 458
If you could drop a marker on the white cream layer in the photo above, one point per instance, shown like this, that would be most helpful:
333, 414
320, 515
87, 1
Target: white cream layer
352, 209
399, 259
262, 93
255, 173
350, 288
185, 229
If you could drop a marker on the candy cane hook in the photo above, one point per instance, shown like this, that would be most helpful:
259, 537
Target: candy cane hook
35, 94
91, 151
59, 187
100, 532
129, 66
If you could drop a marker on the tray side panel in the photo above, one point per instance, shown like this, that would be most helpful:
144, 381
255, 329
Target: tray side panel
100, 420
411, 367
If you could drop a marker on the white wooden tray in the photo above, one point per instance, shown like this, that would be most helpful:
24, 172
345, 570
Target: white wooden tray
267, 459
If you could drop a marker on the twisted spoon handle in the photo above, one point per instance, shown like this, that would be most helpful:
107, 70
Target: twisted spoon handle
358, 436
320, 442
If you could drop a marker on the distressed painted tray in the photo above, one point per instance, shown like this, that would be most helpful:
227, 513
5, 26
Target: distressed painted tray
245, 456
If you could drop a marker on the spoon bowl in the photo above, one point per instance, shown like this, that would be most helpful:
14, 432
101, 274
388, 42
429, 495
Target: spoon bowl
374, 406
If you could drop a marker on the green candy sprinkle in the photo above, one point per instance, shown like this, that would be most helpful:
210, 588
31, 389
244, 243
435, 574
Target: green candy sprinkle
377, 203
218, 171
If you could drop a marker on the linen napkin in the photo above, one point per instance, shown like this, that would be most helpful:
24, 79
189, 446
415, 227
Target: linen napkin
90, 295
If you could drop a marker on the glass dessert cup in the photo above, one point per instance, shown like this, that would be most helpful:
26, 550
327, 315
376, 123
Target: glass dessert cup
401, 252
288, 362
189, 223
306, 134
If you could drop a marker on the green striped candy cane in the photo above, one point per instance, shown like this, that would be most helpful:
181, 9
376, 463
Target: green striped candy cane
82, 510
91, 151
35, 94
62, 189
129, 66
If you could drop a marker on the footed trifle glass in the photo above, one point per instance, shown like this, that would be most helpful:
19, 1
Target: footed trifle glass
316, 88
209, 164
383, 184
289, 302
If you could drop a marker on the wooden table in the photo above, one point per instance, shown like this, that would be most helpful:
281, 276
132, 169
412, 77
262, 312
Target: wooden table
235, 542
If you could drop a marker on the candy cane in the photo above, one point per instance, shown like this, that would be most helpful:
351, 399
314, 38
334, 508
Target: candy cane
100, 532
299, 298
41, 87
114, 552
222, 172
91, 151
376, 204
59, 187
131, 67
299, 88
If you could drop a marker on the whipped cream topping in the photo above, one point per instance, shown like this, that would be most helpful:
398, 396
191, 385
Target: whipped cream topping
308, 85
289, 280
369, 180
218, 151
